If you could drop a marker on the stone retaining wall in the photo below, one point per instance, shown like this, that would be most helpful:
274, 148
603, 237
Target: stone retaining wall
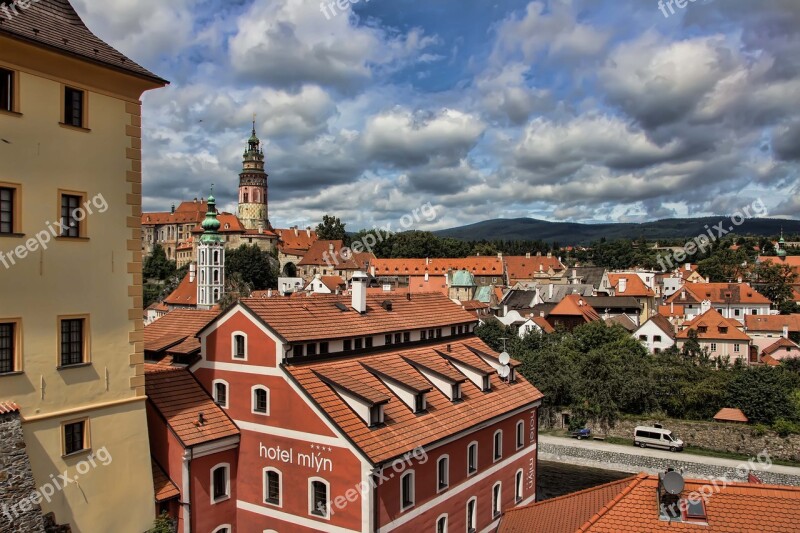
17, 512
633, 463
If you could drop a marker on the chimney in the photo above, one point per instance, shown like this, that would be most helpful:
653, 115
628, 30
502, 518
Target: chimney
528, 255
173, 209
541, 314
550, 292
449, 348
623, 285
549, 255
580, 302
373, 270
359, 289
408, 295
538, 254
269, 293
195, 199
296, 233
308, 231
500, 255
427, 277
688, 267
785, 332
541, 267
192, 272
739, 280
330, 248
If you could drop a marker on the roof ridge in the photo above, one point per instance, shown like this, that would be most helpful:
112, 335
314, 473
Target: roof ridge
578, 493
604, 509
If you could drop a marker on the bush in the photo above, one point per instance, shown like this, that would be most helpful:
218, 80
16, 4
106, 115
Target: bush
784, 428
759, 430
576, 423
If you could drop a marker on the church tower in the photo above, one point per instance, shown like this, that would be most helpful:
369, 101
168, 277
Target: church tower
253, 212
210, 260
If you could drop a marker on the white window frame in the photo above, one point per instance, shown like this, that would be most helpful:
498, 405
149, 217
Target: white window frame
233, 346
470, 527
227, 497
439, 489
227, 392
253, 390
220, 528
497, 502
519, 486
327, 484
411, 474
520, 430
477, 466
446, 522
495, 456
266, 489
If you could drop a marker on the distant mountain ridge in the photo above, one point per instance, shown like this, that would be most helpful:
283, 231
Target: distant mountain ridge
573, 233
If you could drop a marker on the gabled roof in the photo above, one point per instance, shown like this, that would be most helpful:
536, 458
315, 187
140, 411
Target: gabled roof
728, 414
319, 318
671, 311
613, 302
522, 267
630, 506
574, 305
718, 293
329, 253
404, 430
633, 285
772, 323
165, 489
180, 399
589, 275
623, 320
544, 324
185, 293
175, 331
54, 24
661, 323
715, 328
295, 241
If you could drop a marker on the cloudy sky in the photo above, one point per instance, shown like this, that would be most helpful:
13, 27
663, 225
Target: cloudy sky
587, 111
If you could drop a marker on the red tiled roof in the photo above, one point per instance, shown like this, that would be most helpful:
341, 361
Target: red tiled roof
772, 323
228, 223
185, 293
333, 282
671, 311
770, 361
791, 260
477, 265
405, 430
165, 489
630, 506
8, 407
329, 253
295, 241
55, 24
663, 324
571, 306
318, 318
180, 399
715, 325
474, 305
176, 331
186, 213
543, 323
522, 267
718, 293
728, 414
778, 345
634, 286
565, 514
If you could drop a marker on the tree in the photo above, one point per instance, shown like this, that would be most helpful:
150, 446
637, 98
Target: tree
775, 282
725, 265
331, 229
235, 288
254, 266
765, 394
157, 266
595, 396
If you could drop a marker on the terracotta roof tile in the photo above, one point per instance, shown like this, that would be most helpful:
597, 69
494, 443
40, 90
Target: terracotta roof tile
180, 399
164, 333
55, 24
405, 430
718, 293
8, 407
295, 241
716, 327
543, 323
165, 489
634, 286
522, 267
574, 305
728, 414
318, 318
185, 293
772, 323
476, 265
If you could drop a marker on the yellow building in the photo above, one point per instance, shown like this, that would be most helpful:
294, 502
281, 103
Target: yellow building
71, 339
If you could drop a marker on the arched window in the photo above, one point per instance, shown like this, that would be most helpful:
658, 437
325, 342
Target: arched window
220, 483
273, 493
407, 490
220, 388
318, 496
472, 518
223, 529
216, 276
497, 502
472, 458
256, 198
239, 346
260, 400
441, 524
498, 445
520, 434
246, 197
518, 479
442, 473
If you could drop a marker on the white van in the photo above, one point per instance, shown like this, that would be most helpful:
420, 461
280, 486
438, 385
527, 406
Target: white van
656, 437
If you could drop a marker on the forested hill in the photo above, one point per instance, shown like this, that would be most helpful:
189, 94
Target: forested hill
570, 233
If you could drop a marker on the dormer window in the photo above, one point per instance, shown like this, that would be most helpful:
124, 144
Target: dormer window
456, 392
487, 384
376, 415
421, 403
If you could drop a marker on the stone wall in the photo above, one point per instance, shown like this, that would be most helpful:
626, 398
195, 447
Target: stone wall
735, 438
18, 514
633, 463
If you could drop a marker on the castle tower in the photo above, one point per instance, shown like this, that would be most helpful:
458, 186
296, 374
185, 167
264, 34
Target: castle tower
210, 260
253, 211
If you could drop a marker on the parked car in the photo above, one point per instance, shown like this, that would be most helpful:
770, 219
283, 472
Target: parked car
656, 437
583, 433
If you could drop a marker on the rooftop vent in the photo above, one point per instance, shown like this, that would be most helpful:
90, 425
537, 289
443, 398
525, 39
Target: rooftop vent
387, 305
340, 306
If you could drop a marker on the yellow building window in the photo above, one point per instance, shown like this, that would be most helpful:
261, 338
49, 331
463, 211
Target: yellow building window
73, 341
74, 107
9, 90
10, 346
10, 208
72, 214
75, 434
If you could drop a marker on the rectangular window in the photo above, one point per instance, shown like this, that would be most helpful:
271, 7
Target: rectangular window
368, 342
656, 338
311, 349
460, 330
73, 107
713, 346
72, 341
471, 519
6, 90
74, 437
407, 491
424, 335
496, 501
359, 344
324, 348
221, 394
388, 340
70, 225
407, 336
7, 214
498, 446
319, 501
518, 489
472, 459
239, 350
397, 338
298, 350
273, 488
261, 401
220, 483
452, 330
443, 473
736, 347
439, 333
8, 341
520, 434
348, 345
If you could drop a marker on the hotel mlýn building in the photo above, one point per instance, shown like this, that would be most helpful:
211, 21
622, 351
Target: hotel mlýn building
71, 339
339, 413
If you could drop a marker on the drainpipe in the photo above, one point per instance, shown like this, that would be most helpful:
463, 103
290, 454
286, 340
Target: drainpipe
186, 504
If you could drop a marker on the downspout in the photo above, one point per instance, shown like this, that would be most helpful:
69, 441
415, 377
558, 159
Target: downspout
186, 505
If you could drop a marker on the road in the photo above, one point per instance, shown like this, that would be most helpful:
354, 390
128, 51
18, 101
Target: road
660, 454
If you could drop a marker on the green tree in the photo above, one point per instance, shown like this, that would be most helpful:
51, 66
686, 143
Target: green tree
763, 393
595, 395
775, 282
254, 266
725, 265
331, 229
157, 266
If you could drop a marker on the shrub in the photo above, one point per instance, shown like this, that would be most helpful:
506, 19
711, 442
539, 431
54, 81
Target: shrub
759, 430
784, 428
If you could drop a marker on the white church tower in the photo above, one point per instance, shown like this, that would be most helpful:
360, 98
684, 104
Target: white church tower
210, 260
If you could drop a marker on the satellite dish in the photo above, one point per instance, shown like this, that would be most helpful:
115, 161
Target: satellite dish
504, 371
673, 483
504, 358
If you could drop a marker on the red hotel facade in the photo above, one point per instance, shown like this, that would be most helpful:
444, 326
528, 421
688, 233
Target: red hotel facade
362, 414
